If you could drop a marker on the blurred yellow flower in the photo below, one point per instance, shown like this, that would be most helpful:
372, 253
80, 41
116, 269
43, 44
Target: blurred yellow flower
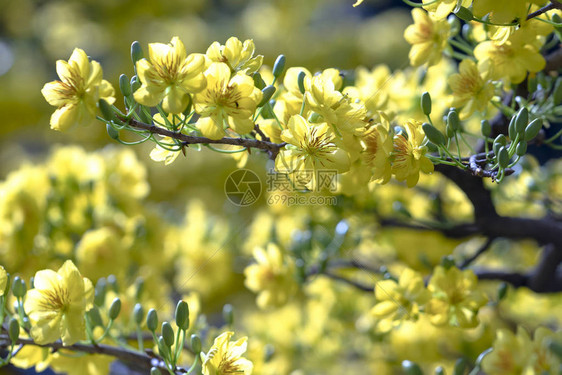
314, 150
225, 357
470, 91
57, 304
399, 301
237, 55
501, 11
442, 8
428, 38
455, 300
510, 353
77, 94
227, 101
169, 75
378, 148
3, 280
272, 276
409, 154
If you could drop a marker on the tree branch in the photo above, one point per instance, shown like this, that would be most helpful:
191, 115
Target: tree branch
543, 10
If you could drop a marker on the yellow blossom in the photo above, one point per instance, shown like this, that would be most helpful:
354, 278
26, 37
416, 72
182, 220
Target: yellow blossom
168, 150
409, 154
169, 75
510, 353
271, 277
227, 101
442, 8
57, 304
470, 90
378, 148
77, 93
501, 11
314, 151
225, 357
428, 38
397, 301
3, 280
237, 55
455, 300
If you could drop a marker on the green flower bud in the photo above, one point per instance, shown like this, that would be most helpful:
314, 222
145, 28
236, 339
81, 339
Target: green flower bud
195, 344
18, 287
279, 66
163, 349
448, 262
449, 131
555, 348
152, 320
95, 317
521, 148
155, 371
464, 14
112, 132
426, 103
453, 120
431, 147
485, 128
269, 352
454, 24
14, 329
268, 92
314, 117
114, 309
498, 142
112, 282
258, 81
106, 111
411, 368
140, 288
434, 135
533, 129
521, 120
466, 31
136, 52
267, 112
503, 157
135, 84
138, 314
99, 293
439, 370
168, 334
532, 84
228, 314
300, 81
460, 366
512, 131
556, 18
125, 85
182, 315
502, 291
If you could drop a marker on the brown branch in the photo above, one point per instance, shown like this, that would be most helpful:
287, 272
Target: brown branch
543, 10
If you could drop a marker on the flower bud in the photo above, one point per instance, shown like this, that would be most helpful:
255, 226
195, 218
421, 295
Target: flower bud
139, 288
411, 368
268, 92
449, 131
152, 320
136, 52
485, 128
182, 315
556, 18
168, 334
498, 142
439, 370
228, 314
258, 81
95, 317
14, 329
503, 157
135, 83
99, 293
434, 135
163, 349
426, 103
279, 66
269, 352
502, 291
521, 148
464, 14
454, 24
511, 131
106, 110
460, 366
533, 129
155, 371
431, 147
195, 344
447, 262
521, 120
138, 314
112, 132
453, 120
125, 85
300, 81
114, 309
18, 287
112, 282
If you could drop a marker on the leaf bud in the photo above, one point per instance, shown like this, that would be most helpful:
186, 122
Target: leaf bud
426, 103
138, 314
125, 85
503, 157
152, 320
300, 81
533, 129
136, 52
195, 344
14, 329
485, 128
114, 309
434, 135
267, 92
521, 120
279, 66
182, 315
168, 334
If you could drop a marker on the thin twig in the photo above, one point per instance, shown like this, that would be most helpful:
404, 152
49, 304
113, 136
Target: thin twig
542, 10
480, 251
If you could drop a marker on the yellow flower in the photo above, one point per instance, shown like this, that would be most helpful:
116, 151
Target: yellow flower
169, 75
501, 11
409, 154
454, 298
371, 87
511, 59
57, 304
77, 94
237, 55
171, 151
428, 38
399, 301
378, 148
314, 151
293, 97
227, 101
510, 353
442, 8
470, 90
271, 276
225, 357
3, 280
